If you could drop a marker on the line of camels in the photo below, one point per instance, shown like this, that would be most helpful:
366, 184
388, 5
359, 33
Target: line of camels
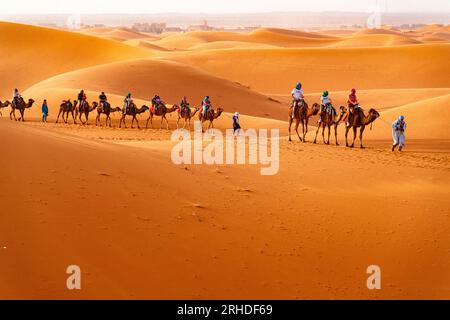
357, 120
302, 114
68, 107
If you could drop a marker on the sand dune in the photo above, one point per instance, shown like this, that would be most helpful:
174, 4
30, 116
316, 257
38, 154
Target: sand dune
375, 40
274, 37
145, 44
112, 201
118, 34
277, 70
170, 80
31, 48
427, 119
138, 209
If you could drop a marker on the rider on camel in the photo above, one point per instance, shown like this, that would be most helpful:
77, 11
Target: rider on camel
103, 99
16, 96
353, 105
127, 102
326, 105
183, 105
206, 106
297, 97
157, 102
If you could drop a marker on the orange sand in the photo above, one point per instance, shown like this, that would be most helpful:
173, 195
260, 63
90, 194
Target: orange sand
111, 201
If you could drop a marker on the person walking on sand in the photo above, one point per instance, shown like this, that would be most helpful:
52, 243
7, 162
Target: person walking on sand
236, 125
44, 111
398, 133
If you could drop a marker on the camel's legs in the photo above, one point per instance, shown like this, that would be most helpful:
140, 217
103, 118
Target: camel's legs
137, 122
361, 132
73, 117
58, 116
178, 121
290, 126
347, 129
317, 133
329, 133
335, 134
162, 119
297, 124
167, 121
13, 113
150, 119
355, 129
323, 134
21, 115
306, 130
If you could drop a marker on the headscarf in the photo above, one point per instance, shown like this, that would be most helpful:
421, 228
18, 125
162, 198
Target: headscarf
325, 94
298, 86
352, 96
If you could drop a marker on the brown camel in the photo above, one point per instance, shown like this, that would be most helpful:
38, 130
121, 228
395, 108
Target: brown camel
210, 116
327, 120
360, 120
132, 111
4, 105
187, 114
65, 108
302, 113
161, 111
85, 109
107, 110
21, 106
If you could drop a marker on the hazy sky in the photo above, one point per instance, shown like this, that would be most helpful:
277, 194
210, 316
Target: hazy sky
213, 6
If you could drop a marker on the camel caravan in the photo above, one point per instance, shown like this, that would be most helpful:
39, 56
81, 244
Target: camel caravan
300, 112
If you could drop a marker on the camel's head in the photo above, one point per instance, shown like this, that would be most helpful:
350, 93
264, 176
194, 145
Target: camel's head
219, 111
374, 114
145, 108
31, 101
343, 110
75, 102
94, 104
315, 108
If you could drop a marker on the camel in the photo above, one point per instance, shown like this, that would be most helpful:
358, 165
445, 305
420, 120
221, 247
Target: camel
328, 120
360, 120
85, 109
187, 115
132, 111
210, 116
21, 107
107, 110
302, 113
65, 108
161, 111
4, 105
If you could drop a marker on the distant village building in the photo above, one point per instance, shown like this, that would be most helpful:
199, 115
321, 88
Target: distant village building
201, 27
157, 28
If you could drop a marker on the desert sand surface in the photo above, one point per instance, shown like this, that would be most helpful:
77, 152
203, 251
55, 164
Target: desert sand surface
140, 227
